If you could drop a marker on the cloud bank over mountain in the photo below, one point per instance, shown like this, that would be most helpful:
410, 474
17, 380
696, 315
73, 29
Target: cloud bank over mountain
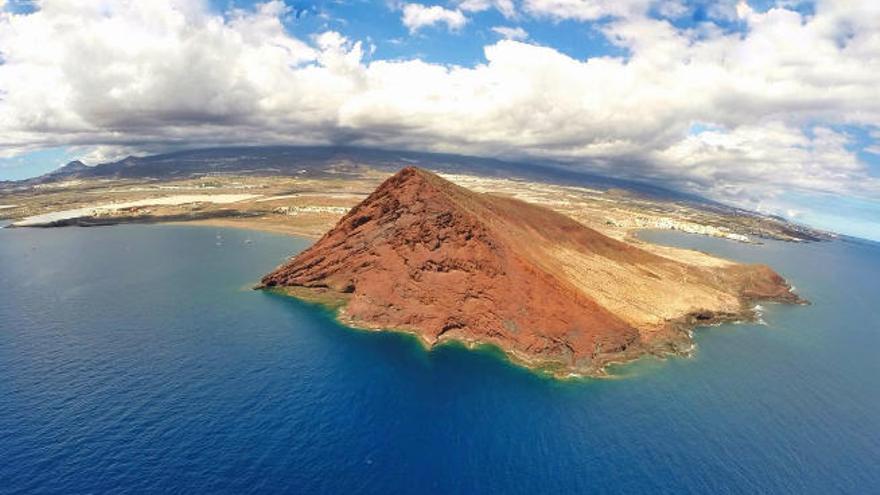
737, 104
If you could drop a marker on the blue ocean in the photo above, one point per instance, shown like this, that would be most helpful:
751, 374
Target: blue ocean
136, 359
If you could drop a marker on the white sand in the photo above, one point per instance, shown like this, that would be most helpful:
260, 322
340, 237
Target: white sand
322, 195
161, 201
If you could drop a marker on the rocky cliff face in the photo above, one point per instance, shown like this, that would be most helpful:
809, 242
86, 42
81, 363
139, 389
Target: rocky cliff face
421, 254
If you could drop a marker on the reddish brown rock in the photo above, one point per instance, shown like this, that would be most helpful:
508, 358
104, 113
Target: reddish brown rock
421, 254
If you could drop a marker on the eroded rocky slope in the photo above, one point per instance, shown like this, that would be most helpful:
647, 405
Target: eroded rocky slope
421, 254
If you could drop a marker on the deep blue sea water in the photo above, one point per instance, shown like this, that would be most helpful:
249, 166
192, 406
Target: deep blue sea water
134, 359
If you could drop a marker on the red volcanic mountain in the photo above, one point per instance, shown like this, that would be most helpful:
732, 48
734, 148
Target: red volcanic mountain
423, 255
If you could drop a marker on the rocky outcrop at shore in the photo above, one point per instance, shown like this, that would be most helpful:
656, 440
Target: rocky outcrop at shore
423, 255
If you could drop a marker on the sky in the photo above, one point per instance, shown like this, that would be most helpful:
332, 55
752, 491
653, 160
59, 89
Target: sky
771, 105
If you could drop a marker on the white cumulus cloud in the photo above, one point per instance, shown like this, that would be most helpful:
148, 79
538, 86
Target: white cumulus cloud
739, 116
417, 16
511, 33
506, 7
585, 10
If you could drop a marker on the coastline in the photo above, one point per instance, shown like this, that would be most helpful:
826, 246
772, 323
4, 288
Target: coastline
249, 224
234, 219
678, 341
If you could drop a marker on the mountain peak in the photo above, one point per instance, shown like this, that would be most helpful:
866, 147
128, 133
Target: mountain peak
413, 171
424, 255
71, 168
415, 177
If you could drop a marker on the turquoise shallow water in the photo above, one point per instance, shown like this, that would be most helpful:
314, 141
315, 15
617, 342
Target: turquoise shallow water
134, 359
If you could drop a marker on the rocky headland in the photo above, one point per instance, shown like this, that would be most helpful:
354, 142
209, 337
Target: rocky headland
423, 255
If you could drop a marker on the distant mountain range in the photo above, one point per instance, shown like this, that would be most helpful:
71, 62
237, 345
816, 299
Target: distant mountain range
335, 161
314, 161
